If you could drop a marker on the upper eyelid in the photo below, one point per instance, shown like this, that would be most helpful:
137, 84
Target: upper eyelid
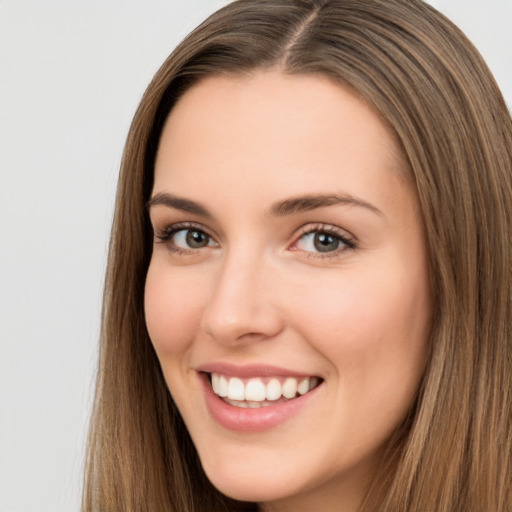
324, 227
305, 229
178, 226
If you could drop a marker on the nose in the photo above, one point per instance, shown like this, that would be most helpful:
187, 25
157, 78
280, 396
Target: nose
241, 307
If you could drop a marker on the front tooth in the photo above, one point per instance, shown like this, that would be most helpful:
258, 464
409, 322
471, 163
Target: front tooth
254, 405
273, 389
236, 389
290, 387
303, 386
255, 390
222, 386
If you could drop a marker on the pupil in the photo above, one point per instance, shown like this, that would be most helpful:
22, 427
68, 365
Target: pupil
196, 239
325, 242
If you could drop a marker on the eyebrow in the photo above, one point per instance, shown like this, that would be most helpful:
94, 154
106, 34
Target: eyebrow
283, 208
178, 203
313, 201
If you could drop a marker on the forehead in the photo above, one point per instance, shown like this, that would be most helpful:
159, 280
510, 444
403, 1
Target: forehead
299, 132
272, 96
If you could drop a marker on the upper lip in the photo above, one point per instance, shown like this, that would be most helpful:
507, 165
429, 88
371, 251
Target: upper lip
249, 370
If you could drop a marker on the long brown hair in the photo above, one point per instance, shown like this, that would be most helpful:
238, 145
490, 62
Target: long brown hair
434, 90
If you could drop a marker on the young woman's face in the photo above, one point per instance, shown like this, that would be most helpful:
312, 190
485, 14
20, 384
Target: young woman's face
289, 272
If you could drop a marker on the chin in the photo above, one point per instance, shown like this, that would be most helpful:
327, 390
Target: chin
249, 483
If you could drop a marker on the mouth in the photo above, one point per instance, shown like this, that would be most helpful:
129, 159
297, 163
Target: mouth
258, 392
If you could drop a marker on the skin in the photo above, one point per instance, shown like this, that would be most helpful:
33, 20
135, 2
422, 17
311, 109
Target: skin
260, 292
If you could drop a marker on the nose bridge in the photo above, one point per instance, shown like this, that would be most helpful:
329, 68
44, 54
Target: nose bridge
239, 306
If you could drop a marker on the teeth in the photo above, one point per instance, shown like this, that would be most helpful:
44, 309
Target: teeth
236, 389
303, 386
273, 389
254, 393
248, 405
222, 386
290, 387
215, 383
255, 390
238, 403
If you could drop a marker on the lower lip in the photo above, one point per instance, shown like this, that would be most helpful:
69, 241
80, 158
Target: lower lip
252, 420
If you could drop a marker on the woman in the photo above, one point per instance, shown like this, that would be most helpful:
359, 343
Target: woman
311, 251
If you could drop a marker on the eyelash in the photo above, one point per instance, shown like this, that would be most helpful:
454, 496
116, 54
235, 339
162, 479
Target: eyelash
347, 243
166, 237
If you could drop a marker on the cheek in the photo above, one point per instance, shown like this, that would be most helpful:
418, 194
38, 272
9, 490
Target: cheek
371, 323
373, 329
172, 310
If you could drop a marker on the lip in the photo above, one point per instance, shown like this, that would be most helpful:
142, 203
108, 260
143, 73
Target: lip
252, 420
250, 370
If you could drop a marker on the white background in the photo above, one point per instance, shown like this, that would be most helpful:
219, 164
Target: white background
71, 75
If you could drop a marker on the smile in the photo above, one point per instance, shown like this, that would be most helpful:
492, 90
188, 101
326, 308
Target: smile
259, 392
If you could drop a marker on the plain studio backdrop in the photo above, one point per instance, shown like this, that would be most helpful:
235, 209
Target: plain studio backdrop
71, 76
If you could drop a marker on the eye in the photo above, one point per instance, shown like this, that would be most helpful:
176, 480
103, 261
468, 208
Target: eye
191, 239
323, 241
183, 238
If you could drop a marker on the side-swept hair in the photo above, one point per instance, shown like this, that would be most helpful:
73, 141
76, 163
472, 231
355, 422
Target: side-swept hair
433, 89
